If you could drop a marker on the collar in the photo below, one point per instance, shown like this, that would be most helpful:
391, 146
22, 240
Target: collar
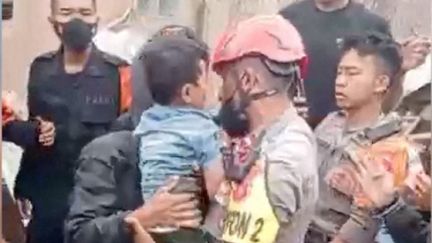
91, 68
380, 119
333, 11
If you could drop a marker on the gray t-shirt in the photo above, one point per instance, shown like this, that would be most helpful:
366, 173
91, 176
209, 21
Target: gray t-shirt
290, 151
320, 32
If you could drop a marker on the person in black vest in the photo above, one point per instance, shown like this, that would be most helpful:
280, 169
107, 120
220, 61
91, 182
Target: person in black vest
74, 95
322, 23
107, 204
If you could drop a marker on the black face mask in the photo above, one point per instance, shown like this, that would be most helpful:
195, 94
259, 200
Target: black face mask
233, 116
77, 34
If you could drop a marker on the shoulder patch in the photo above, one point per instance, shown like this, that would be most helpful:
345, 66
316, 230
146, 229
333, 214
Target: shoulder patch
117, 61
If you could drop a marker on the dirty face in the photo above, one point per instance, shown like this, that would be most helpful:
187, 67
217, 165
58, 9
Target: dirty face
359, 81
195, 93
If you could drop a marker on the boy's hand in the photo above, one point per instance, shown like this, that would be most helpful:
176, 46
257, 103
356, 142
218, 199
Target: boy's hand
166, 209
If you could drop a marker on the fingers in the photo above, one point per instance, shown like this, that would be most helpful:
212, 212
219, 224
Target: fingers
193, 223
190, 205
169, 184
47, 132
47, 136
417, 40
134, 224
361, 167
423, 183
24, 208
187, 215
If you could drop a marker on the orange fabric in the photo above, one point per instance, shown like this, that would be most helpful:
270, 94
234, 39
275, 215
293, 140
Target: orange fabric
392, 153
8, 114
125, 88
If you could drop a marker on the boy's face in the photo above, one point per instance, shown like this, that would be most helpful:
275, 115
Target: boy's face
194, 94
359, 81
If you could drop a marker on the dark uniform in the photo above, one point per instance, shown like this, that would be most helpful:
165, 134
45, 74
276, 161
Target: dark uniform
110, 164
82, 106
405, 224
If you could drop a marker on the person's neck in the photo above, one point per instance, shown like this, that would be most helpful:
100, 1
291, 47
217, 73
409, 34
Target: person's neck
363, 117
268, 111
332, 6
75, 61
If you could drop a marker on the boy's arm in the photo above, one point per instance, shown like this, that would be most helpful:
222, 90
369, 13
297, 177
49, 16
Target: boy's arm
211, 162
213, 175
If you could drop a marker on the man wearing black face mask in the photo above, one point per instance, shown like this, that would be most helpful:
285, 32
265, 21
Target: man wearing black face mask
74, 95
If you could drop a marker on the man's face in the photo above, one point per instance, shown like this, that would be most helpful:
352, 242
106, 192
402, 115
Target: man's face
358, 81
228, 85
234, 113
66, 10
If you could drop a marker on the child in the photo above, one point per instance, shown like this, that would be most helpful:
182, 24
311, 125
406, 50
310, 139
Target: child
177, 137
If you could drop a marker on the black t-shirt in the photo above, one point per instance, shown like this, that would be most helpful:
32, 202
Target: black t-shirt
320, 32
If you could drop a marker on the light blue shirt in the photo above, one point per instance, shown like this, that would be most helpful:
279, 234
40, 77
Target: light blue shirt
172, 142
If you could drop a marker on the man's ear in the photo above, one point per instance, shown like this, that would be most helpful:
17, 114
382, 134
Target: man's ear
249, 80
382, 84
185, 93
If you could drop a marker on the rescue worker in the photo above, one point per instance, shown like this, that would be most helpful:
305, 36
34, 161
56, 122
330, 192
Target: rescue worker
270, 162
367, 70
321, 24
74, 94
107, 198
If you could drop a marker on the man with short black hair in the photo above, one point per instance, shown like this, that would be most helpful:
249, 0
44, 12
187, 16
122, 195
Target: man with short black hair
322, 23
74, 95
369, 66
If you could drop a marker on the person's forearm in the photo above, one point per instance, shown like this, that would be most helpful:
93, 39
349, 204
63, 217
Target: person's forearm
405, 224
21, 133
353, 232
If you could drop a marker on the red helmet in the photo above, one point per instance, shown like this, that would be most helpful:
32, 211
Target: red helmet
269, 35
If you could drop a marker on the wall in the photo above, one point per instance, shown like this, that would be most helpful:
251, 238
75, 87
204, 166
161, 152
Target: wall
29, 34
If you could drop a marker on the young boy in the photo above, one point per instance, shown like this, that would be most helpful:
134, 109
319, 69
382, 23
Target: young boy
177, 137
